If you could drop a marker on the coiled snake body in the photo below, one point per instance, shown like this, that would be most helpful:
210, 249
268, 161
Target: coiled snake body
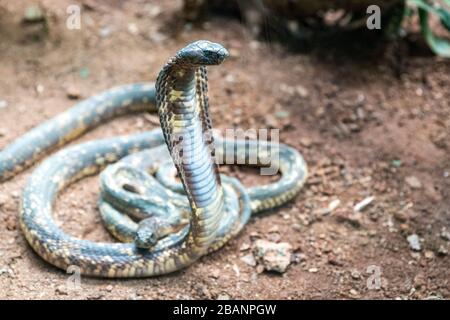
141, 203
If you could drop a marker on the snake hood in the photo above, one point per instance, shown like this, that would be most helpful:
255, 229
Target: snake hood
202, 53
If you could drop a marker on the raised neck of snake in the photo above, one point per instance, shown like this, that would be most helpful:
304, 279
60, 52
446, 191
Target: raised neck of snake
183, 109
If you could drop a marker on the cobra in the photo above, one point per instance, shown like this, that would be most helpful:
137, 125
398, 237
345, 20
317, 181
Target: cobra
164, 225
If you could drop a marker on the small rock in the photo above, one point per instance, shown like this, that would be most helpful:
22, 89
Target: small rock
40, 88
306, 142
249, 259
396, 163
414, 242
73, 93
3, 104
244, 247
61, 290
334, 261
215, 273
273, 256
34, 14
400, 216
442, 251
133, 28
298, 257
360, 206
429, 254
313, 270
274, 237
5, 270
445, 234
282, 114
355, 274
223, 296
413, 182
230, 78
109, 288
105, 32
15, 194
271, 121
302, 91
354, 293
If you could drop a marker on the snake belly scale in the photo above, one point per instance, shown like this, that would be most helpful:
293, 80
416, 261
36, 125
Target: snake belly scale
165, 225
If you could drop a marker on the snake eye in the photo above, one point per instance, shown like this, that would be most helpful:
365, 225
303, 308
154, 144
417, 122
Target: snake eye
130, 188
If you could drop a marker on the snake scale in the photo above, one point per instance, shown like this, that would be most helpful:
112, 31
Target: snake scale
164, 225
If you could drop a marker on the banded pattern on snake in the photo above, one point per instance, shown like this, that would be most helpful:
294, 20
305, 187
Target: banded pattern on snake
141, 202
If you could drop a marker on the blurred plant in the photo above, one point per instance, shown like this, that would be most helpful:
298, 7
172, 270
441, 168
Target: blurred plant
440, 46
315, 17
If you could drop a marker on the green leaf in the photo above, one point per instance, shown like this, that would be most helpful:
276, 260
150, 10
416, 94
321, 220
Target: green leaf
440, 46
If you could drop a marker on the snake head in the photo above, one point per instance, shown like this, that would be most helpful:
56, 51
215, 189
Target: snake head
202, 53
147, 234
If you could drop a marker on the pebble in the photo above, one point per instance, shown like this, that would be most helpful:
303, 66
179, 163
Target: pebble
249, 259
105, 32
274, 237
442, 251
445, 234
61, 290
400, 216
313, 270
244, 247
109, 288
355, 274
154, 10
223, 296
40, 88
5, 270
282, 114
429, 255
414, 242
73, 93
413, 182
133, 28
3, 104
236, 270
34, 14
396, 163
273, 256
215, 273
360, 206
306, 142
353, 292
302, 91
